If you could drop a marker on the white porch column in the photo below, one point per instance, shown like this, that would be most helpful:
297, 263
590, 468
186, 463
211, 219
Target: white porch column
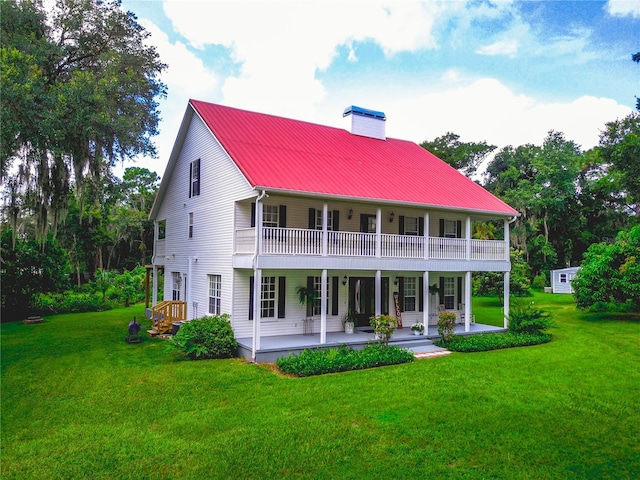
325, 235
507, 276
323, 306
506, 241
378, 292
379, 233
257, 291
426, 307
426, 236
468, 236
154, 294
467, 302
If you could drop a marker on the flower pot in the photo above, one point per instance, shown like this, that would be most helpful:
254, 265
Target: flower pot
349, 327
417, 332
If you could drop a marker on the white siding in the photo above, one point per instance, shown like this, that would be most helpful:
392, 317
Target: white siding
221, 185
563, 287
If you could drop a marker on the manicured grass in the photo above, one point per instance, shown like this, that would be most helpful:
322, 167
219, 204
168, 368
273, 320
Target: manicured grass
79, 402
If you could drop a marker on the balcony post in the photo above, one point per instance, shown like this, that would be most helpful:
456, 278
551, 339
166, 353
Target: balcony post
426, 306
379, 233
426, 237
507, 276
467, 302
468, 236
325, 235
507, 253
323, 306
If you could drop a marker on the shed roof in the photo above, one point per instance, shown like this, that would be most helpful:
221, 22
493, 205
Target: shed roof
276, 153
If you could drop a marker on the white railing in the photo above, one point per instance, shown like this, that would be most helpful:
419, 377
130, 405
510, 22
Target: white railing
300, 241
245, 240
441, 248
352, 244
159, 248
402, 246
488, 250
291, 241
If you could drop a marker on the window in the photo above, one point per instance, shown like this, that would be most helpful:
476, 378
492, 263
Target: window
215, 282
449, 293
191, 225
563, 278
270, 215
176, 285
268, 297
319, 220
194, 178
162, 229
317, 287
410, 225
450, 229
409, 294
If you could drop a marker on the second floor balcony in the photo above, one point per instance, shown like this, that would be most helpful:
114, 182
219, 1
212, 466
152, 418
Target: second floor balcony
299, 241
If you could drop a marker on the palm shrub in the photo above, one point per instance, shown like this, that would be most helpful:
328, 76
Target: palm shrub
525, 317
383, 327
206, 337
446, 325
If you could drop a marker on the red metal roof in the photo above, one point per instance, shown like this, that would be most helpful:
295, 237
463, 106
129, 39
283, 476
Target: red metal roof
291, 155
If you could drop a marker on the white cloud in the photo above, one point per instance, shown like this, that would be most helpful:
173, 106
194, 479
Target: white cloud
622, 8
503, 47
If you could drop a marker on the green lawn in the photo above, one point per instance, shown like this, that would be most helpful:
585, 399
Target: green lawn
79, 402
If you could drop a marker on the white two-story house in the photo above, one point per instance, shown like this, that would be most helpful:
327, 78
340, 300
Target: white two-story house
252, 206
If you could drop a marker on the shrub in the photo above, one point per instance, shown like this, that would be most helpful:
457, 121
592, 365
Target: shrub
493, 341
331, 360
524, 317
539, 282
206, 337
446, 325
383, 327
70, 302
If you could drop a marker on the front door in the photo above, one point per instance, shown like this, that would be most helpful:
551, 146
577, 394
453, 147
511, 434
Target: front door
362, 298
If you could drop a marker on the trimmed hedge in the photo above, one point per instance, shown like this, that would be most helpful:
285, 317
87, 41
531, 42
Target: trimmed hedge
205, 338
493, 341
341, 359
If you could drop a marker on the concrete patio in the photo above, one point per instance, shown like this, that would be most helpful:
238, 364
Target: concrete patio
274, 347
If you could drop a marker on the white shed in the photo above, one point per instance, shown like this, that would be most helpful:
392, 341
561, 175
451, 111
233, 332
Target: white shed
561, 279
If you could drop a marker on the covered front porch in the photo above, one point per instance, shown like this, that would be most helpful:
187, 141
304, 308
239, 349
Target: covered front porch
274, 347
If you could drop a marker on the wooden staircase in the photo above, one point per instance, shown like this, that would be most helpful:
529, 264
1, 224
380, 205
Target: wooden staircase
164, 314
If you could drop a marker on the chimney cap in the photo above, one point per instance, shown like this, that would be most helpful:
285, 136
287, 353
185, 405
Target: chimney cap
353, 110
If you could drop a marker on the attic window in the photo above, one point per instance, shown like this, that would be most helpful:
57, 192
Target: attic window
194, 178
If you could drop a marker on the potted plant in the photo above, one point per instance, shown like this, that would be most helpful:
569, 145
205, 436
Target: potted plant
349, 321
417, 328
383, 327
306, 296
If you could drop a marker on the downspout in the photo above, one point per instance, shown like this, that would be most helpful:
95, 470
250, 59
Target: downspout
257, 279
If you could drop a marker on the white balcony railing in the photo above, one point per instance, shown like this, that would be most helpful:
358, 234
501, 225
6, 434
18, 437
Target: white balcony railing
299, 241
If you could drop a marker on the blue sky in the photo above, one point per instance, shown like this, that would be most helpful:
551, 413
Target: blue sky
503, 72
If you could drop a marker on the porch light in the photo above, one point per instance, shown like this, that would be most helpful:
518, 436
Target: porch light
350, 213
344, 281
396, 281
391, 217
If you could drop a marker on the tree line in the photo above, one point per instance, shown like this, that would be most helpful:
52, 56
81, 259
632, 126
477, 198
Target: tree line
80, 91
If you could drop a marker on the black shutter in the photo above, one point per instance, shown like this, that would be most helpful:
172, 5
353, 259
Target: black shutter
251, 282
442, 227
197, 185
336, 222
420, 294
282, 216
282, 290
190, 177
421, 226
459, 291
401, 293
459, 229
401, 225
334, 295
442, 290
309, 303
312, 219
253, 215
